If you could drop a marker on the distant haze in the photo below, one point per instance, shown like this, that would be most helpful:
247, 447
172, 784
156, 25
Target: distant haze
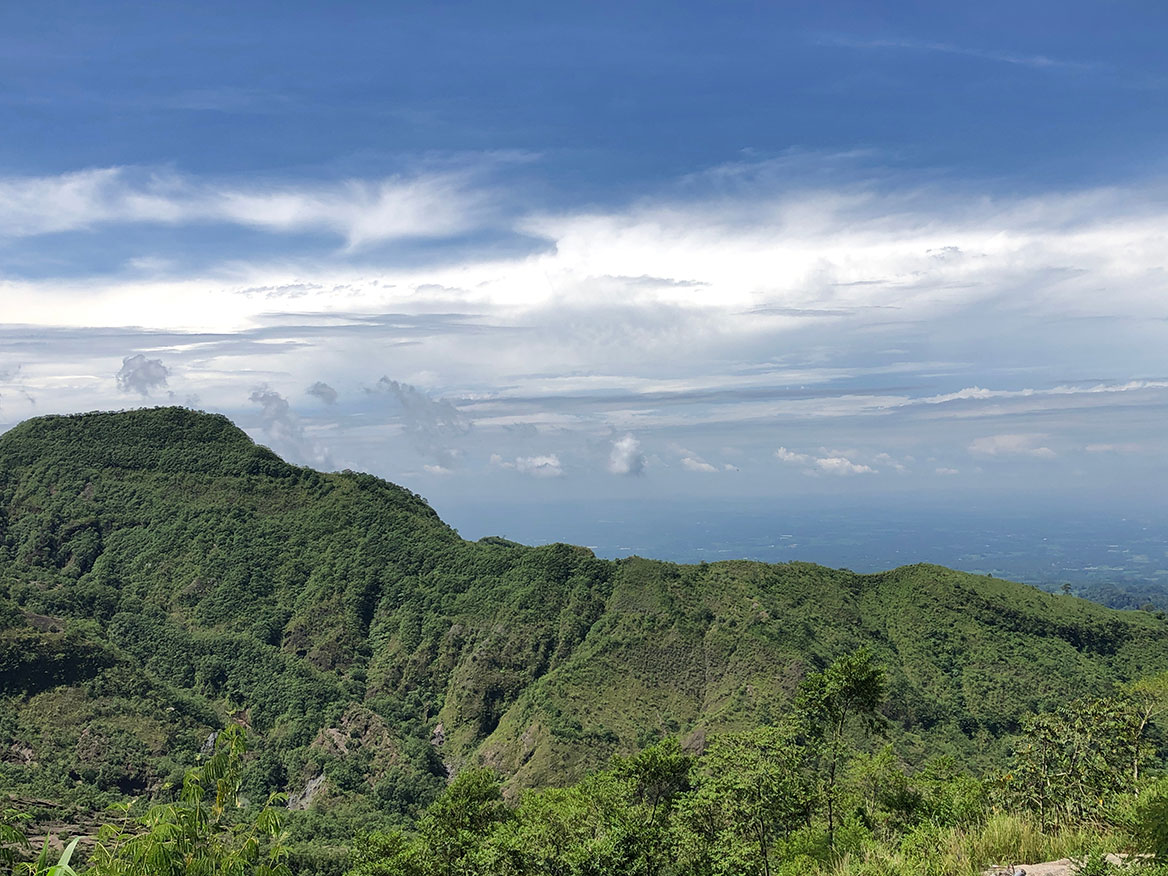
1044, 546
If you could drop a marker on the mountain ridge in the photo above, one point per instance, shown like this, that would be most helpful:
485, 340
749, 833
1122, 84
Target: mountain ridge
362, 640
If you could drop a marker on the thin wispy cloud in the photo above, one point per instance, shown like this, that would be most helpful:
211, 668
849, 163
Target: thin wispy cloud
432, 425
792, 257
359, 211
692, 461
1012, 445
1124, 447
284, 430
223, 99
1035, 61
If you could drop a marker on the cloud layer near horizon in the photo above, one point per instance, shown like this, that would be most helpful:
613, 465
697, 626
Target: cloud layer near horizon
877, 332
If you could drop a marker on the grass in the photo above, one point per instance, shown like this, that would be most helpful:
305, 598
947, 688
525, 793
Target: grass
1004, 839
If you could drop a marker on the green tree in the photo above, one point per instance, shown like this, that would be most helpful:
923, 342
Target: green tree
43, 865
1149, 700
750, 789
1073, 762
588, 829
13, 841
658, 774
385, 854
458, 822
851, 689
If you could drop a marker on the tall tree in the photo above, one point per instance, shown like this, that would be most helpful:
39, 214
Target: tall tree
850, 690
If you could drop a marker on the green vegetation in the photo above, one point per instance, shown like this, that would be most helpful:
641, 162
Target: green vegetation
165, 585
799, 797
201, 832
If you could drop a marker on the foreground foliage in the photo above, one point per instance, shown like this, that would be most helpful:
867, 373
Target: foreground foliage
199, 834
816, 792
803, 796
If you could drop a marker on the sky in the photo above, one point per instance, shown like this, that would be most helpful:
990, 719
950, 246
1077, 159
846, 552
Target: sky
889, 255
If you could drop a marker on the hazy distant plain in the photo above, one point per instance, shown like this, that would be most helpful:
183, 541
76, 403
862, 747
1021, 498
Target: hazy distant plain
1072, 545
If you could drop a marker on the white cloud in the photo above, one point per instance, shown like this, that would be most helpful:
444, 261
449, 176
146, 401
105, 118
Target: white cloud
618, 292
626, 457
980, 394
1017, 444
943, 470
763, 260
835, 465
841, 466
797, 458
545, 466
691, 460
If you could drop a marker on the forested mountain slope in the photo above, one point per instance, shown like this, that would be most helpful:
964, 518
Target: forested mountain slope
161, 576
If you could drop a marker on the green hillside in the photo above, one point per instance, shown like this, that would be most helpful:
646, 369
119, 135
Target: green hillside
161, 577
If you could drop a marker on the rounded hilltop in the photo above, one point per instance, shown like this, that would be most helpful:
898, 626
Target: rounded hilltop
172, 439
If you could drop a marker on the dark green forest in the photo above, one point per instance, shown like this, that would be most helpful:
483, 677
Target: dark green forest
263, 668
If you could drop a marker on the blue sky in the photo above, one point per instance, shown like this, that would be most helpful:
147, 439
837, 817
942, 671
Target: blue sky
662, 252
